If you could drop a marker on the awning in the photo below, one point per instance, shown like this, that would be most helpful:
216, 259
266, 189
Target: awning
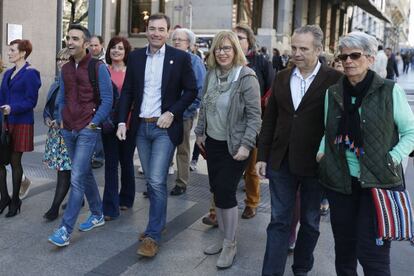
370, 8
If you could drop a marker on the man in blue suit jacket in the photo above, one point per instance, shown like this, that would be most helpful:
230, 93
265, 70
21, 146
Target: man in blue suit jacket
159, 85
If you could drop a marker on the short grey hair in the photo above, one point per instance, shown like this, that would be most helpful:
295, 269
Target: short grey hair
190, 35
315, 30
359, 40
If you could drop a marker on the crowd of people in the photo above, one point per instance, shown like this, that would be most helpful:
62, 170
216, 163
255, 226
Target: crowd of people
320, 130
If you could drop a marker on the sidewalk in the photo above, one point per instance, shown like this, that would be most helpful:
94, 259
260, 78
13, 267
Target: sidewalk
110, 250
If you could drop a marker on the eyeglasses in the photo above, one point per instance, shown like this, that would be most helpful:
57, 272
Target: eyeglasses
179, 39
241, 37
226, 49
353, 56
62, 59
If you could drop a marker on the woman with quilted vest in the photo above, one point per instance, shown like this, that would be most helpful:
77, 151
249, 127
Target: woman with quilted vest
369, 130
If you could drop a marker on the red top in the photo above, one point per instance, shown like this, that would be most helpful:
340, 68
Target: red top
118, 78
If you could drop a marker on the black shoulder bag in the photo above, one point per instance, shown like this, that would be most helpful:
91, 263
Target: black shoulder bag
5, 143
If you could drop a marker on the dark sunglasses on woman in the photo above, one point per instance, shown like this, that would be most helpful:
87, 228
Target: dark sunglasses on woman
353, 56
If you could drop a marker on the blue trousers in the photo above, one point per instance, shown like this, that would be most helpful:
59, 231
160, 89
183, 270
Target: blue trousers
283, 187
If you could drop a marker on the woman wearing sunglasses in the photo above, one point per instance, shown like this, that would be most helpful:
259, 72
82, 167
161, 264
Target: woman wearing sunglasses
369, 130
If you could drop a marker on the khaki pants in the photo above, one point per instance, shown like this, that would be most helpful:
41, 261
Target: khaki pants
183, 155
252, 182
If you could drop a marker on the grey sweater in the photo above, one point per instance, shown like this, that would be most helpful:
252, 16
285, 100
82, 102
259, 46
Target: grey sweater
244, 116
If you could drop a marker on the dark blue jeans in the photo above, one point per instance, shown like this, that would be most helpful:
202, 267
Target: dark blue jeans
118, 152
99, 155
283, 187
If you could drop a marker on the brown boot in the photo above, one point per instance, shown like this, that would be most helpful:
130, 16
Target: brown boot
249, 212
148, 248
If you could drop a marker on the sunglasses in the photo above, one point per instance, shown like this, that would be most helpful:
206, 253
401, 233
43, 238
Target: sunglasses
353, 56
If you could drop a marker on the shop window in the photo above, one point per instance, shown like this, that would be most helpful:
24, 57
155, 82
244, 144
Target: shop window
139, 10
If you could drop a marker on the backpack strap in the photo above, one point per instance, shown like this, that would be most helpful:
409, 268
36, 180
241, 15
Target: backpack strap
93, 68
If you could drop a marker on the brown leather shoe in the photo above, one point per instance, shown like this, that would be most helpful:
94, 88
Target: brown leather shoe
142, 236
210, 220
148, 248
249, 212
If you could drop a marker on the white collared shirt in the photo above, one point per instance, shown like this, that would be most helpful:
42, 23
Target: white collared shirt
151, 100
299, 85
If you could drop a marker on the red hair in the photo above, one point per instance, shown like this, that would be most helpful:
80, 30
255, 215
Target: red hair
23, 45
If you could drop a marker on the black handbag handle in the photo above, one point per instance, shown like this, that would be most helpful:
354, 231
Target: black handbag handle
5, 122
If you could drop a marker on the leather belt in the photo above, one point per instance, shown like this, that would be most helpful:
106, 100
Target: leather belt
150, 120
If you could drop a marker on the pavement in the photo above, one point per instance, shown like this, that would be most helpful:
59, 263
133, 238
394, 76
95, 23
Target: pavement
110, 250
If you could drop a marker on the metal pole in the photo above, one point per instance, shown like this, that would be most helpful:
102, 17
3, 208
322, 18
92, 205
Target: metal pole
95, 17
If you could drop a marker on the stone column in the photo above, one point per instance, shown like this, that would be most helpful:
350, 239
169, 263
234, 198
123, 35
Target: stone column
284, 24
266, 34
301, 13
123, 28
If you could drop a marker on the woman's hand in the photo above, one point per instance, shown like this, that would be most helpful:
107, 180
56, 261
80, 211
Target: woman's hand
5, 109
121, 132
200, 141
319, 156
242, 154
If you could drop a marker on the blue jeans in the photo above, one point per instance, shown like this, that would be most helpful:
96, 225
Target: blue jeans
99, 155
283, 187
118, 152
155, 151
80, 146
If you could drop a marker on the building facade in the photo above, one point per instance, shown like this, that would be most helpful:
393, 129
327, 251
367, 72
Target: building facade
272, 20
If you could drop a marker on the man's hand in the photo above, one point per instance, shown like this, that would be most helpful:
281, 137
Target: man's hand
242, 154
319, 156
5, 109
261, 169
165, 120
121, 132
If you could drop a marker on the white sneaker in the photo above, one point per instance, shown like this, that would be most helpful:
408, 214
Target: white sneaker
171, 170
193, 165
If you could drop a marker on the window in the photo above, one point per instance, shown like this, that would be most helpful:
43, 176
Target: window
139, 10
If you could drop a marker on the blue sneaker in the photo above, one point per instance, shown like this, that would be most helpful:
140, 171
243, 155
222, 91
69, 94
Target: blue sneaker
92, 222
60, 237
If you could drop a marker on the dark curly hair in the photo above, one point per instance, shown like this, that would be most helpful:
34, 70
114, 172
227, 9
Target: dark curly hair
115, 40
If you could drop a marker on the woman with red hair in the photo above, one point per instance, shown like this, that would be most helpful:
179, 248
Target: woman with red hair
18, 97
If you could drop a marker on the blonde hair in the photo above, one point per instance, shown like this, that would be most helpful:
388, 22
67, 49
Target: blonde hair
63, 53
239, 58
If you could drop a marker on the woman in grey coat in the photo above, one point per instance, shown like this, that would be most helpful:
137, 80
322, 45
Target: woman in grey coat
226, 132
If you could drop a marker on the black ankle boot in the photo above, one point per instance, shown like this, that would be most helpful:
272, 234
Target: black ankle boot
14, 208
52, 213
4, 204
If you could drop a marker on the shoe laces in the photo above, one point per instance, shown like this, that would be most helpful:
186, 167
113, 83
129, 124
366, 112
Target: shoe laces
61, 232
